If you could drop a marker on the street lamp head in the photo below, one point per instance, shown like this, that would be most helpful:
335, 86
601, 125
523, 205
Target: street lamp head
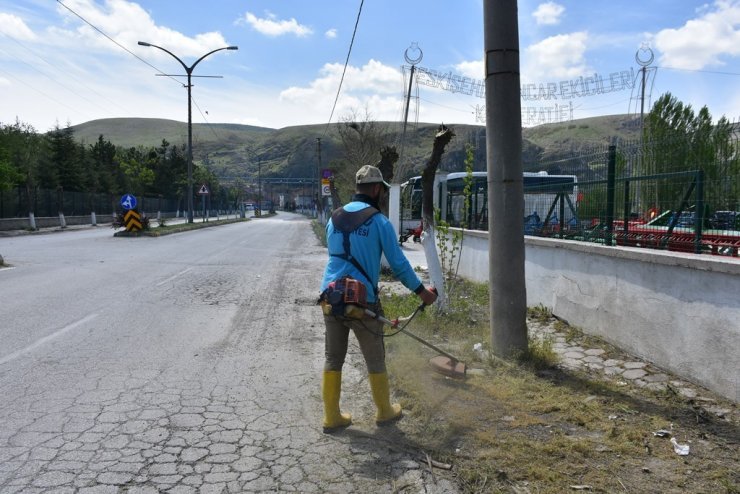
232, 47
144, 43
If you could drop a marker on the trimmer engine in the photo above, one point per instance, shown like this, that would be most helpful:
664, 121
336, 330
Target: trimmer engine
345, 297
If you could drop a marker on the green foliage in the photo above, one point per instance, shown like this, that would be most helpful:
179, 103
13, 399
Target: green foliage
320, 231
449, 242
58, 161
65, 163
136, 168
9, 176
677, 139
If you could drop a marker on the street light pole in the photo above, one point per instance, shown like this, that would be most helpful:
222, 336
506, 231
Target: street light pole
259, 185
189, 72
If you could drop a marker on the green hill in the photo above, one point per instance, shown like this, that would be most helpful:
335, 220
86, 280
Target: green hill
232, 150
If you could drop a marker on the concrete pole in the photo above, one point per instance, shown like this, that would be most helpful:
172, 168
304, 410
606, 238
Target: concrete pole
508, 296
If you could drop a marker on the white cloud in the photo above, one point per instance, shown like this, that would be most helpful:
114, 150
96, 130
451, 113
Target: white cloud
374, 85
331, 33
474, 70
127, 23
271, 26
701, 42
557, 57
14, 27
548, 13
372, 77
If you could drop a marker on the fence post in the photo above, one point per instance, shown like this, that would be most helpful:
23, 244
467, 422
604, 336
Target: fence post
627, 211
561, 225
610, 181
699, 221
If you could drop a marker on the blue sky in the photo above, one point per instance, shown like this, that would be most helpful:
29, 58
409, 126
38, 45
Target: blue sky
577, 59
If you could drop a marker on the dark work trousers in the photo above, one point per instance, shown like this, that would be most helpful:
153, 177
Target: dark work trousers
369, 334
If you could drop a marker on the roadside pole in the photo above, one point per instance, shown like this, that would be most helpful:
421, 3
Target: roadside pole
508, 296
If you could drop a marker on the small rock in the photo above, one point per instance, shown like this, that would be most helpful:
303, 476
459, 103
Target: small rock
634, 365
633, 373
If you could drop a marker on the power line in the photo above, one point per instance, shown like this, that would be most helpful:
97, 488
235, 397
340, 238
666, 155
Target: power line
698, 70
135, 56
346, 62
56, 81
42, 93
113, 41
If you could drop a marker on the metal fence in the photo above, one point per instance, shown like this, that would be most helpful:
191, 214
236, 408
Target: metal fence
19, 202
645, 195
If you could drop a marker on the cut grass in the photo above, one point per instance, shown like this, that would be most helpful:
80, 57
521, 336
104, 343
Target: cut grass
526, 425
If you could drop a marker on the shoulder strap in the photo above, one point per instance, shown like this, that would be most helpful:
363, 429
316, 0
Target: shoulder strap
347, 222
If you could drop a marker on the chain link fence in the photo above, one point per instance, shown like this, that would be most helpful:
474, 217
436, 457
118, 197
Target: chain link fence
19, 202
662, 195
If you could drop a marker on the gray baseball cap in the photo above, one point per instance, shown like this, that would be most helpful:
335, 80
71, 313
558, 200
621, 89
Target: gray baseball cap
370, 175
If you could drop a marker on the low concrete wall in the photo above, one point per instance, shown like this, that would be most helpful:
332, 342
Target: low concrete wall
52, 221
678, 311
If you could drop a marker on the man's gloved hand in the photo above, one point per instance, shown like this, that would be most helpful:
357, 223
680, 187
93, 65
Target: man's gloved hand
428, 296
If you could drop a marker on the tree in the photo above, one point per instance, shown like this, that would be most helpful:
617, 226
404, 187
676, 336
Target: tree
676, 139
134, 164
103, 156
441, 139
16, 154
362, 138
65, 159
9, 175
363, 141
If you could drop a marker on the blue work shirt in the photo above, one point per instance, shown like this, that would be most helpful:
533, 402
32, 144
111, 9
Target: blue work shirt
367, 243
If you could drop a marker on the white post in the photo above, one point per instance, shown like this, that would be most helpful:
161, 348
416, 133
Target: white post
32, 221
62, 221
93, 219
394, 207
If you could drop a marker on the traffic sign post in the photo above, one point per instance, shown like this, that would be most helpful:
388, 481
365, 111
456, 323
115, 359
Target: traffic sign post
128, 202
326, 176
203, 192
132, 221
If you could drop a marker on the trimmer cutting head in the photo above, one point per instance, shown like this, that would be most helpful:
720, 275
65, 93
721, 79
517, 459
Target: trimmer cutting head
449, 367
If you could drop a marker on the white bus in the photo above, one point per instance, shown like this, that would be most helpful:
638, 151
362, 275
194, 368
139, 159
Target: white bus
543, 194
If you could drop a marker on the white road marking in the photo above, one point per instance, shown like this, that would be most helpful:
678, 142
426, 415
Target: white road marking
46, 338
173, 277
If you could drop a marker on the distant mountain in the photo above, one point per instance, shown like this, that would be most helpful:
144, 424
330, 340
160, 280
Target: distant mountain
232, 150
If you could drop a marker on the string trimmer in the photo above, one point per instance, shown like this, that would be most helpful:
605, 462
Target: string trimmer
445, 363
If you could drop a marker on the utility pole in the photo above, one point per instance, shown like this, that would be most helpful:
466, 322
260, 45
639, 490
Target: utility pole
411, 60
319, 198
508, 292
259, 185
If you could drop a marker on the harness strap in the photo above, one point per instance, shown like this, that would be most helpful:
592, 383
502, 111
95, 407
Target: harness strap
347, 222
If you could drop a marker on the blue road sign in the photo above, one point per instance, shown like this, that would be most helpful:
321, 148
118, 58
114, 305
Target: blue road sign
128, 201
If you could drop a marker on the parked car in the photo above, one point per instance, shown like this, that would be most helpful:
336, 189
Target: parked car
725, 220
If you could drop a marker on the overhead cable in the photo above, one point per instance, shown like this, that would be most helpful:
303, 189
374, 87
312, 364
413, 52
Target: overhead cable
346, 62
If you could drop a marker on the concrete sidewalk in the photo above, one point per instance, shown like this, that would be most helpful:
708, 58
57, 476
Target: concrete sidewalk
414, 252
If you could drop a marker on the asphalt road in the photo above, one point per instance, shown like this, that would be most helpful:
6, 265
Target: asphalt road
185, 363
